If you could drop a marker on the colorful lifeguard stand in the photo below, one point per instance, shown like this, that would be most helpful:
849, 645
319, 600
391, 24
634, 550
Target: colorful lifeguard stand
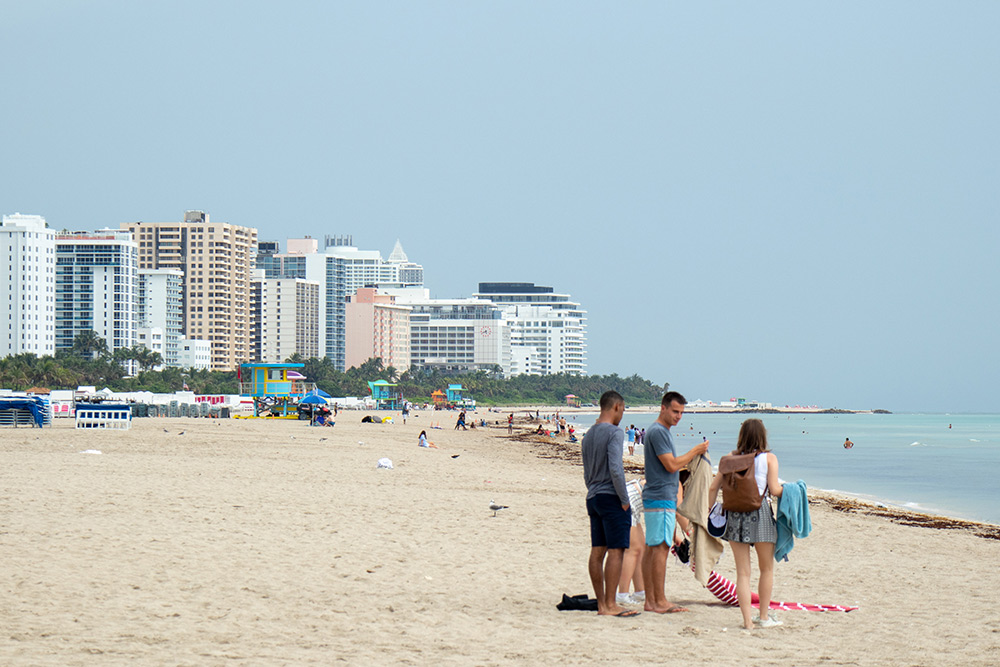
456, 396
273, 391
572, 400
439, 398
384, 396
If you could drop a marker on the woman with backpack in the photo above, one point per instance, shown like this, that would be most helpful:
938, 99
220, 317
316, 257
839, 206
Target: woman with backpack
757, 467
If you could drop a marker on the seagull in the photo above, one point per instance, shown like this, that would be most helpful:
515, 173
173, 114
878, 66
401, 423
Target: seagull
496, 508
322, 439
166, 431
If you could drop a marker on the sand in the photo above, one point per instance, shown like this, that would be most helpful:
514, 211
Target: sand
256, 542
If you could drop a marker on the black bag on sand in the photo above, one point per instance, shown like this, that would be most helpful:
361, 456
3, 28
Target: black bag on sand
577, 603
739, 485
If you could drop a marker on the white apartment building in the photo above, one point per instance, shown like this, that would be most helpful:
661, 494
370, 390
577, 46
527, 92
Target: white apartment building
96, 287
457, 335
340, 269
286, 318
195, 354
548, 333
154, 340
216, 259
27, 285
161, 321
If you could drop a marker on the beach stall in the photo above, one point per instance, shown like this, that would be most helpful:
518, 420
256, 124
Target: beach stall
115, 416
275, 388
384, 395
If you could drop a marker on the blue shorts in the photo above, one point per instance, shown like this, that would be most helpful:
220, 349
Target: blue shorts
660, 517
610, 525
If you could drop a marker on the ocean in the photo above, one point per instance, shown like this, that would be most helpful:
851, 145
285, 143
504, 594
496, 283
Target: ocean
936, 463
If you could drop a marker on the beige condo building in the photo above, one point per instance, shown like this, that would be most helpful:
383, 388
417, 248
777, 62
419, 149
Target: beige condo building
376, 326
216, 259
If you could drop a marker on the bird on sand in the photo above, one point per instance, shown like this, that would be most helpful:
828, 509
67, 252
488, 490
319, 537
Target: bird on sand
496, 508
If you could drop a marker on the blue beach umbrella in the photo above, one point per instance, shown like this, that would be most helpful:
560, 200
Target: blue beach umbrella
312, 398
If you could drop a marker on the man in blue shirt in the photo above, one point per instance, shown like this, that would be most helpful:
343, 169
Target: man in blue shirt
659, 498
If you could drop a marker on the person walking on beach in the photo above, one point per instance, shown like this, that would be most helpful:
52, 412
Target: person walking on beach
659, 498
510, 423
461, 421
630, 436
755, 528
607, 503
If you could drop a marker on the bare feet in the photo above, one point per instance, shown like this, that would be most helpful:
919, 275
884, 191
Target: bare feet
617, 611
667, 608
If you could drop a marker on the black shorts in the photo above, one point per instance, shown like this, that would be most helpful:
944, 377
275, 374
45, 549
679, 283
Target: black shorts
610, 525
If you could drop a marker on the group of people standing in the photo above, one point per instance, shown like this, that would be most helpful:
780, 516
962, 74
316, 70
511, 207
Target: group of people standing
614, 518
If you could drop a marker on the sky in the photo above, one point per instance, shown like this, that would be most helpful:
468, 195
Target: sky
789, 202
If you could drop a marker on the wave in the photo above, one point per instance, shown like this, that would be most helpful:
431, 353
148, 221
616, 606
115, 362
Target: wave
917, 443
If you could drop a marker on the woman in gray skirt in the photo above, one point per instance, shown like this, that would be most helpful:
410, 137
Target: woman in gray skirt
755, 528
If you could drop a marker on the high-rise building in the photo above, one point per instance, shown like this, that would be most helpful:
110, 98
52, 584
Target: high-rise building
286, 314
216, 260
96, 287
28, 282
548, 332
455, 335
377, 327
160, 308
340, 269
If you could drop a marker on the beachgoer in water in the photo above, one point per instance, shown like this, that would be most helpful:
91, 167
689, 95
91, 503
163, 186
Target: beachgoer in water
756, 528
847, 443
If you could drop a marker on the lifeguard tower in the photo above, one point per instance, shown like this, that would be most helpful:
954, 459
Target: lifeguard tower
275, 388
572, 401
457, 397
384, 395
440, 399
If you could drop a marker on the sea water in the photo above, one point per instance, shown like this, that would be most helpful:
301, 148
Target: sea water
941, 464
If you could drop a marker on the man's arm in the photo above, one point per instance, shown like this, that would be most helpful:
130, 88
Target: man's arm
617, 466
676, 463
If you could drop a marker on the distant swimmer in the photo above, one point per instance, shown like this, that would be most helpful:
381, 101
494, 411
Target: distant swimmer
847, 443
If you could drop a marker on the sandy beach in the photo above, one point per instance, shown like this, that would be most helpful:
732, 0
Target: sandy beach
256, 542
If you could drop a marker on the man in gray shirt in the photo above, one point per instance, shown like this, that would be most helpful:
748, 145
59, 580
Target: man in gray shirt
607, 503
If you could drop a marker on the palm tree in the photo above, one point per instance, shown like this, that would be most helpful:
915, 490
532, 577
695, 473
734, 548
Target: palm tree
89, 344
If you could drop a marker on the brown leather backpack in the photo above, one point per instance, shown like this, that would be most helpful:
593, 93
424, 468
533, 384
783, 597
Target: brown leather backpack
739, 484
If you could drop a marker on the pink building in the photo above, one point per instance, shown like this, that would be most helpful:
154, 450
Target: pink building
374, 326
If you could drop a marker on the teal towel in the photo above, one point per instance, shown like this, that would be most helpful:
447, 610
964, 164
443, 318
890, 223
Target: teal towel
793, 518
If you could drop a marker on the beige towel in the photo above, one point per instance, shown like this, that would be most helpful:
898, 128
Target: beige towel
705, 549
